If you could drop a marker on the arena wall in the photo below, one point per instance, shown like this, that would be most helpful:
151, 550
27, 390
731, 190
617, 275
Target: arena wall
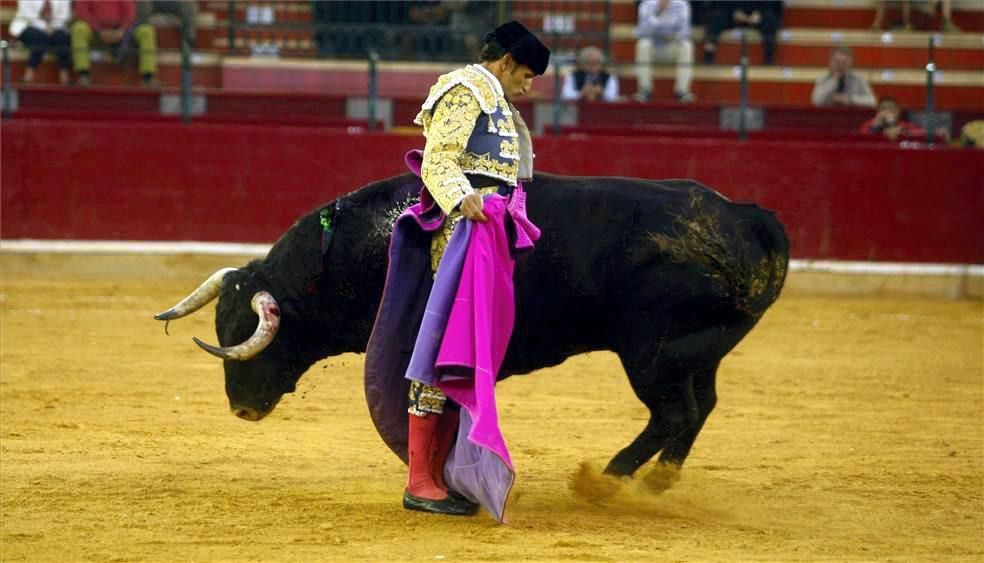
164, 181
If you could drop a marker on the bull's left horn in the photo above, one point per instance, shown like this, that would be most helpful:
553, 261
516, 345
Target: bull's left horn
198, 298
267, 309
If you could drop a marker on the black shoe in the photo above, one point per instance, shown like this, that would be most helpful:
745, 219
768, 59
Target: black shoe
464, 501
447, 506
686, 98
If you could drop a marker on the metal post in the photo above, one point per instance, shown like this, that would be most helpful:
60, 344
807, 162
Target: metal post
502, 13
557, 106
743, 104
232, 25
185, 81
6, 80
608, 27
373, 59
930, 102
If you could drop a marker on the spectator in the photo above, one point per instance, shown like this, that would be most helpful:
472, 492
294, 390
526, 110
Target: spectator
589, 81
430, 36
113, 23
663, 34
185, 11
350, 28
888, 122
841, 86
338, 27
763, 16
928, 6
468, 22
40, 25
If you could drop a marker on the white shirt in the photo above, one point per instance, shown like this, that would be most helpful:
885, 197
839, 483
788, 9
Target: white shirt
673, 23
29, 15
570, 92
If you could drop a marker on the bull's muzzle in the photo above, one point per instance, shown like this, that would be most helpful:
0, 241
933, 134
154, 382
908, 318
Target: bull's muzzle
251, 415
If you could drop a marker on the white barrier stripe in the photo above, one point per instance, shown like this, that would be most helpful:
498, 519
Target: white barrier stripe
131, 247
885, 268
228, 248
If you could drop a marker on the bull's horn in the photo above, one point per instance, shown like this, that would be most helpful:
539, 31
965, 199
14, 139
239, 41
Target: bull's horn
198, 298
267, 309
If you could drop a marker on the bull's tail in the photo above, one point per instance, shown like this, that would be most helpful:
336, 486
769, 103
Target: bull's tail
766, 258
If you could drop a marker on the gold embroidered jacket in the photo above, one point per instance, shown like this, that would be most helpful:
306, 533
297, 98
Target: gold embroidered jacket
472, 129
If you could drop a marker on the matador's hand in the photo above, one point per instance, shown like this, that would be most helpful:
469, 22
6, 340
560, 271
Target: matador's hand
471, 207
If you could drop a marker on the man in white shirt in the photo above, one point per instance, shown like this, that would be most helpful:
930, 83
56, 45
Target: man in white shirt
589, 81
663, 33
841, 86
41, 25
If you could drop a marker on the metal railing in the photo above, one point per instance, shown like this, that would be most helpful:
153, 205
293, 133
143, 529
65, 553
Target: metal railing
450, 32
557, 38
7, 92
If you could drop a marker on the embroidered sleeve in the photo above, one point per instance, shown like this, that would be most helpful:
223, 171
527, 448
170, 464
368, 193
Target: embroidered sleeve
448, 129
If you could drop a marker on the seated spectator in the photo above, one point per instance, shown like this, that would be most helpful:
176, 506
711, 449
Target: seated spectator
468, 23
928, 6
589, 81
185, 11
430, 37
889, 124
113, 24
763, 16
842, 86
40, 25
663, 34
351, 28
338, 24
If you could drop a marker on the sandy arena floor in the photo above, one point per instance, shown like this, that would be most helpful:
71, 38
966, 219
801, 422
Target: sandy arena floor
846, 429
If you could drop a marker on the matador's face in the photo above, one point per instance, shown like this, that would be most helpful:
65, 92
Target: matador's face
516, 79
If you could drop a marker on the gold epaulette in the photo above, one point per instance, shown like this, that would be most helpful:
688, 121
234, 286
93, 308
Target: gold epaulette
470, 78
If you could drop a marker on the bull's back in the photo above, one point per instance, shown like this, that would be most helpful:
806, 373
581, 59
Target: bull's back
617, 248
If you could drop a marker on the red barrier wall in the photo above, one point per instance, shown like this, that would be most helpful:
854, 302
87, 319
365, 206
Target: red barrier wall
164, 181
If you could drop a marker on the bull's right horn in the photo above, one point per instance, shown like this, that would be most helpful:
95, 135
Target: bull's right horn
266, 307
198, 298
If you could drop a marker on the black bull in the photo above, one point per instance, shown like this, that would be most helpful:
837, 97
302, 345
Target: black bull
669, 275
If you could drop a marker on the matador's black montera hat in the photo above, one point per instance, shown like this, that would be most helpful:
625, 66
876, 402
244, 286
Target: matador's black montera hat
524, 47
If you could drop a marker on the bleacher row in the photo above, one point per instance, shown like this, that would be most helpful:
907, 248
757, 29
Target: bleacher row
893, 61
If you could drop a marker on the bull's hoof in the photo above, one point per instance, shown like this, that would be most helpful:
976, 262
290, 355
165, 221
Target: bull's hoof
448, 506
590, 484
661, 478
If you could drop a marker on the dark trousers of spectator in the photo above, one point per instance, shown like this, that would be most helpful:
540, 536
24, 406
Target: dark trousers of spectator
38, 42
185, 11
720, 20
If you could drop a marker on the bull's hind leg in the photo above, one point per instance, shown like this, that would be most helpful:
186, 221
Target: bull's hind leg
674, 379
678, 449
672, 410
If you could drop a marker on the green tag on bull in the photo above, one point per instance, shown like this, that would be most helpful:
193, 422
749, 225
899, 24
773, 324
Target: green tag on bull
325, 219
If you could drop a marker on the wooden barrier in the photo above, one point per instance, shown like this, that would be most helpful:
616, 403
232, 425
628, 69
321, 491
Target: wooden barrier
69, 179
